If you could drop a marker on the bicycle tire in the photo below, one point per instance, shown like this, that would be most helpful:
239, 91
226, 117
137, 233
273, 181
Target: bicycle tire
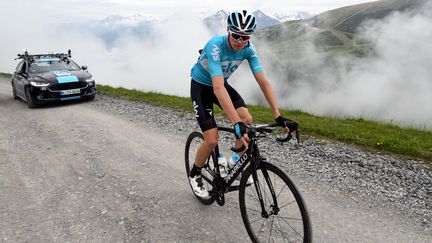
290, 224
207, 171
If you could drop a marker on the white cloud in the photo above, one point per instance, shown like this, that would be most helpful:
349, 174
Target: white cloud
394, 84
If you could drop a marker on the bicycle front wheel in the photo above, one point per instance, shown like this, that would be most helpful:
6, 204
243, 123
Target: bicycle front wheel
284, 218
193, 143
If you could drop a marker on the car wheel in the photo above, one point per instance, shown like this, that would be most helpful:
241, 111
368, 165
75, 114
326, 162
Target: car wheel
14, 92
92, 97
30, 101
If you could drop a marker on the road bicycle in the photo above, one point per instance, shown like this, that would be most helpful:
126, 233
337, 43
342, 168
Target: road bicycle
272, 208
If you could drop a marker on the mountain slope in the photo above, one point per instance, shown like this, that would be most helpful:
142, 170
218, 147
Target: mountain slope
217, 21
263, 20
347, 19
332, 29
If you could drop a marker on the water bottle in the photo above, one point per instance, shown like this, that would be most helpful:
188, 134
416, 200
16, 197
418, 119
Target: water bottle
223, 165
234, 159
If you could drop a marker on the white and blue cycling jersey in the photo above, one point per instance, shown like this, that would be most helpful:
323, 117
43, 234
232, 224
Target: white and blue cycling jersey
218, 59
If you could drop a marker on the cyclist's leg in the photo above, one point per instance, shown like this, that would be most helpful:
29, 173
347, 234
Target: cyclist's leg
203, 99
204, 151
203, 105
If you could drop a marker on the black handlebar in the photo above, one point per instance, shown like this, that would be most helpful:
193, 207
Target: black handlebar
268, 128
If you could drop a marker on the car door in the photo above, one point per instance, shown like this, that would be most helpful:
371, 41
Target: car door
19, 79
16, 79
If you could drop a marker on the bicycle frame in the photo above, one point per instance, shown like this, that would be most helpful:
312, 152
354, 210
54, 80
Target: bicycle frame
245, 159
250, 157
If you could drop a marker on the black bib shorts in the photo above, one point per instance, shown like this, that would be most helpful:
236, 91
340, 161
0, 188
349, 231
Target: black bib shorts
203, 99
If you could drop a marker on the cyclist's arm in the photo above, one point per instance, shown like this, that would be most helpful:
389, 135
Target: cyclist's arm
224, 99
257, 70
215, 69
268, 93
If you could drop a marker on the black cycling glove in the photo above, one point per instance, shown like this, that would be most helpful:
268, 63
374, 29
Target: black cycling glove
239, 129
284, 122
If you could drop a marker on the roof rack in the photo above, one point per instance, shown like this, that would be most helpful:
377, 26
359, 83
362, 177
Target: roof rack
32, 58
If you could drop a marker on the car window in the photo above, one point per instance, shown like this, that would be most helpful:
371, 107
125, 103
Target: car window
19, 66
52, 64
24, 67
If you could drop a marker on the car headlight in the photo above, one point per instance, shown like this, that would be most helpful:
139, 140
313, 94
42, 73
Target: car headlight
91, 79
39, 84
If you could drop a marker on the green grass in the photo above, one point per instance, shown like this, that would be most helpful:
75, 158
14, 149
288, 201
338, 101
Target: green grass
154, 98
6, 75
378, 136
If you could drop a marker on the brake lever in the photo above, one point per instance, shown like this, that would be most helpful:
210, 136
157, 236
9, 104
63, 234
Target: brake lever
288, 137
285, 139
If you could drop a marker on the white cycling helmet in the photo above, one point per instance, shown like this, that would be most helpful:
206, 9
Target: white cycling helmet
241, 22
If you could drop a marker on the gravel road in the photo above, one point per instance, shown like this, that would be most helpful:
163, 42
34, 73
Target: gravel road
112, 170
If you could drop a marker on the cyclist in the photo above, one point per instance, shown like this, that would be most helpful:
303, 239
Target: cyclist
220, 57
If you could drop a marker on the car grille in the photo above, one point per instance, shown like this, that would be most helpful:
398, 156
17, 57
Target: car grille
65, 86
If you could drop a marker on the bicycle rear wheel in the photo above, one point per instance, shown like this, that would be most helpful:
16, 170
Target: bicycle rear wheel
286, 222
193, 143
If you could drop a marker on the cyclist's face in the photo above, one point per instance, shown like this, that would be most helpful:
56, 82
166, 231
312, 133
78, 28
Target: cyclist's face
237, 41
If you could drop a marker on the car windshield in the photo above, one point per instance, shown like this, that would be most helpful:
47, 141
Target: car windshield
53, 64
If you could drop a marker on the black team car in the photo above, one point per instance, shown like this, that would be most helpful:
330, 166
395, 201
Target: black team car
45, 78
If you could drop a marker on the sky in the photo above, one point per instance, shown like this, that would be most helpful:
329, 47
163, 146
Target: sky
94, 9
394, 85
270, 5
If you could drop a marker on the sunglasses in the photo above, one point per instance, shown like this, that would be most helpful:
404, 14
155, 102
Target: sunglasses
238, 37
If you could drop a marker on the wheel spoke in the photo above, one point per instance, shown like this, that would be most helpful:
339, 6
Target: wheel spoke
281, 191
286, 223
255, 210
256, 220
289, 218
281, 231
291, 227
271, 228
261, 228
255, 195
288, 204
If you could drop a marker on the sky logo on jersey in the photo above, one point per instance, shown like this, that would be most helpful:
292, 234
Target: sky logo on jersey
230, 68
215, 53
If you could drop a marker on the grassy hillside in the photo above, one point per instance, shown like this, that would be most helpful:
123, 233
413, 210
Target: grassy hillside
6, 75
348, 19
332, 29
372, 135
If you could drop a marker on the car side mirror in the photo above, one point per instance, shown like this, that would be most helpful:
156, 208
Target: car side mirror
84, 68
21, 73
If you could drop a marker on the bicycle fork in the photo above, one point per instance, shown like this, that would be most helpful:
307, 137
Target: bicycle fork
274, 209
